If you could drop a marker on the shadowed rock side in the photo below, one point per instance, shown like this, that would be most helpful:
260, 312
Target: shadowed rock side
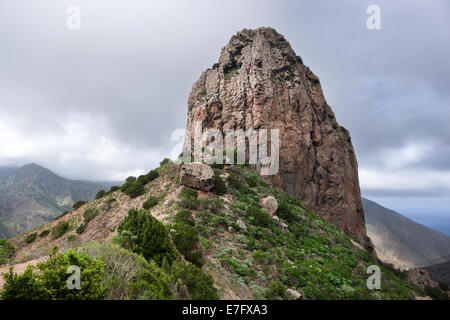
260, 83
403, 242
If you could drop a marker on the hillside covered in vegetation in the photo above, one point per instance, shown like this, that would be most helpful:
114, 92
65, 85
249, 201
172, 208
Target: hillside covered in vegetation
155, 239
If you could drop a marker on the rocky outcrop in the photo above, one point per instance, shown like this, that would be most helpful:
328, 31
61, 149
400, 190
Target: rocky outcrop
260, 83
421, 278
197, 176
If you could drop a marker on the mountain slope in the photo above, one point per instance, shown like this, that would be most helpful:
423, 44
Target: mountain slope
440, 272
247, 252
403, 242
32, 195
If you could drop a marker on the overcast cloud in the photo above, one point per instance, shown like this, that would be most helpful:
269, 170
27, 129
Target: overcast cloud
101, 103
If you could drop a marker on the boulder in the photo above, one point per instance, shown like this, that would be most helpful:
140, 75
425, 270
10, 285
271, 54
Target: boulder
270, 205
198, 176
241, 224
291, 294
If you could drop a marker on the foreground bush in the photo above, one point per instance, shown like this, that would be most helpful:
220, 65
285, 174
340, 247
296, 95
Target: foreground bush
127, 275
142, 233
50, 283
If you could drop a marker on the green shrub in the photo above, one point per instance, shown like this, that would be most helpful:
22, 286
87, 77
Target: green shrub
44, 233
258, 216
135, 190
113, 189
71, 238
220, 187
186, 239
6, 251
128, 276
284, 212
276, 290
60, 229
78, 204
251, 181
189, 193
152, 175
189, 203
189, 199
130, 179
90, 214
101, 194
50, 283
142, 233
150, 203
164, 162
199, 284
31, 237
82, 228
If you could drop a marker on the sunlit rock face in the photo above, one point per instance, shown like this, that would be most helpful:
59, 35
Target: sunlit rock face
260, 83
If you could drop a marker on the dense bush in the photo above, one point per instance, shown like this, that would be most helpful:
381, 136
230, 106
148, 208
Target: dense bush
31, 237
276, 290
101, 194
189, 199
44, 233
152, 175
142, 233
114, 188
164, 162
186, 239
6, 251
258, 216
220, 187
82, 228
199, 284
128, 275
135, 190
90, 214
185, 216
60, 229
189, 193
150, 203
78, 204
50, 283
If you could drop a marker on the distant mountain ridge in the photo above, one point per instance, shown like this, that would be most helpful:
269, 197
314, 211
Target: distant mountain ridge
403, 242
32, 195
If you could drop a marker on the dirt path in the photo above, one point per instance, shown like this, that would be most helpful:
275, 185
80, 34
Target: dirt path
18, 268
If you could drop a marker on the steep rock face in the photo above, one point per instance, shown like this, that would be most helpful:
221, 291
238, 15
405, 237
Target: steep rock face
260, 83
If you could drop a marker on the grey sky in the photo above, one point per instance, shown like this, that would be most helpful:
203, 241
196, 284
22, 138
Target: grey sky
101, 102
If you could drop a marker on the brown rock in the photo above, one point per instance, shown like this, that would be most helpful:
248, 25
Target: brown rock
197, 176
259, 82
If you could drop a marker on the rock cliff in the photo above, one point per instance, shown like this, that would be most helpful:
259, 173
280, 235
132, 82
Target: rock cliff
260, 83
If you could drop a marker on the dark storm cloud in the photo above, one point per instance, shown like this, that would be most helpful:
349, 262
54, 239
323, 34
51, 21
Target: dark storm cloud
102, 102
